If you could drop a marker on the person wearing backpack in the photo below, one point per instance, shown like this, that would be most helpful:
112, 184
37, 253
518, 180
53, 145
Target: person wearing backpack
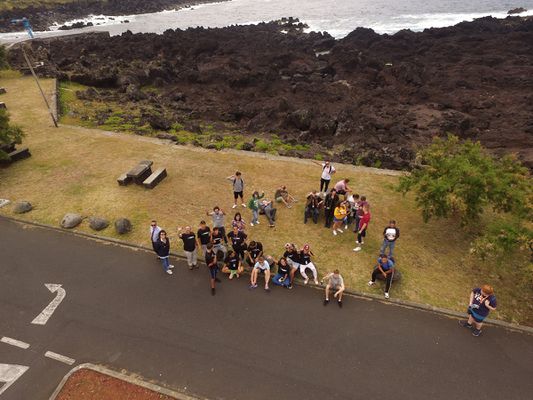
253, 204
327, 170
238, 188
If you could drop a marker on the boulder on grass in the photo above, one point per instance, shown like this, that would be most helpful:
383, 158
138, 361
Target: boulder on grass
97, 223
4, 202
122, 226
71, 220
22, 207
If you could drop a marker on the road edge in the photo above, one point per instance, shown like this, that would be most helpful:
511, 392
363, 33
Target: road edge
124, 377
355, 293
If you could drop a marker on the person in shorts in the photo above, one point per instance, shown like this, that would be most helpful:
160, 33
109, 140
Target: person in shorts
189, 246
212, 265
238, 188
203, 235
217, 238
482, 302
261, 266
340, 214
283, 276
282, 196
233, 265
335, 282
293, 259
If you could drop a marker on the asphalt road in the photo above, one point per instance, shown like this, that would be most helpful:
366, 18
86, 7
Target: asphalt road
120, 310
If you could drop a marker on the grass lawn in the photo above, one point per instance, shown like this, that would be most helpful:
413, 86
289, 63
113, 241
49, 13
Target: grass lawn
74, 169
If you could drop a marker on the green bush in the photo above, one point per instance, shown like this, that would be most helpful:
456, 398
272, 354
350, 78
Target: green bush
8, 133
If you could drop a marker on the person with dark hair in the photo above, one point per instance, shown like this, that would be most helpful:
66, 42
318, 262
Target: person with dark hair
238, 188
359, 204
390, 234
203, 236
335, 282
218, 220
327, 170
312, 207
253, 204
482, 302
263, 266
293, 259
162, 248
385, 267
342, 187
212, 265
282, 277
254, 251
238, 222
339, 217
238, 241
154, 233
267, 206
233, 265
189, 246
306, 263
363, 226
330, 203
281, 195
216, 238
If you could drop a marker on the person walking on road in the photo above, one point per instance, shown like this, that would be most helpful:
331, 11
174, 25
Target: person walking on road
327, 170
390, 234
282, 277
238, 241
253, 204
203, 236
261, 266
306, 263
335, 282
154, 233
218, 220
482, 302
238, 188
233, 265
385, 267
363, 226
162, 248
331, 202
189, 246
212, 265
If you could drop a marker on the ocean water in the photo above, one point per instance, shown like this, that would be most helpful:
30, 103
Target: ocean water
338, 17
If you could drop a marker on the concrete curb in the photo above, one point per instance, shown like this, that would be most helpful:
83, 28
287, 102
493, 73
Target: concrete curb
124, 377
355, 293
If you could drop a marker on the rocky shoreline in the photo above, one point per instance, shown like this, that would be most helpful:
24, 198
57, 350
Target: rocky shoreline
42, 17
366, 99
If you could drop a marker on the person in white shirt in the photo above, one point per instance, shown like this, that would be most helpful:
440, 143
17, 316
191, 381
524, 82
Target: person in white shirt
390, 234
261, 265
154, 233
327, 170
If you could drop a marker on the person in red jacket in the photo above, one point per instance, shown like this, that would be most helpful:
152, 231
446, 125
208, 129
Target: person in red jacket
363, 226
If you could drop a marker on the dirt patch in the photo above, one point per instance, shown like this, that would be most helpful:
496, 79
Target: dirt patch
87, 384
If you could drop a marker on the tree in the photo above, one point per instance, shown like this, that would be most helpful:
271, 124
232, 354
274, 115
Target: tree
8, 133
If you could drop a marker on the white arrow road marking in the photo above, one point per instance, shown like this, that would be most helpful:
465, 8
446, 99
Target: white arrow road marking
59, 357
43, 317
9, 373
15, 342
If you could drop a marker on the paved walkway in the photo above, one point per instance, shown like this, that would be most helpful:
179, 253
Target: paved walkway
120, 310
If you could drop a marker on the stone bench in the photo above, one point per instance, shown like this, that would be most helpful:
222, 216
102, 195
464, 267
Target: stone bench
8, 148
139, 173
3, 90
153, 180
124, 180
20, 154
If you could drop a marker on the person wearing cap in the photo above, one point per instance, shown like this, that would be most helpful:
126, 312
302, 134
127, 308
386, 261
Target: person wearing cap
306, 263
335, 282
482, 302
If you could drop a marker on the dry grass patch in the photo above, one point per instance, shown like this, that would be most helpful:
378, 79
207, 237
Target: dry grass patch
74, 169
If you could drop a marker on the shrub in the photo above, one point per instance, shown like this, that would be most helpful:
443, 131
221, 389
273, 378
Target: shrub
8, 133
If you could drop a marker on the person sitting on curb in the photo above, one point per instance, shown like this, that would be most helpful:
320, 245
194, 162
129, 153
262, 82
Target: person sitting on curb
282, 196
390, 234
162, 249
335, 282
212, 265
189, 246
282, 277
260, 266
267, 206
233, 265
254, 251
293, 259
305, 263
482, 302
385, 267
216, 238
253, 204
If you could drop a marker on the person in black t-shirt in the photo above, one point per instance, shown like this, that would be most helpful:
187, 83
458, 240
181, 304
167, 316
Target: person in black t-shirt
217, 237
204, 236
282, 277
233, 265
255, 249
212, 265
330, 203
238, 241
293, 259
189, 246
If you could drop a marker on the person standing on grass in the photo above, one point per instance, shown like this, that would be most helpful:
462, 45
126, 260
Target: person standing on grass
331, 202
282, 277
216, 238
238, 188
482, 302
342, 187
363, 226
154, 233
359, 204
218, 220
390, 234
385, 267
312, 207
233, 265
212, 265
339, 217
261, 266
354, 211
238, 222
253, 204
238, 241
293, 259
204, 236
327, 170
305, 263
162, 248
335, 282
189, 246
254, 251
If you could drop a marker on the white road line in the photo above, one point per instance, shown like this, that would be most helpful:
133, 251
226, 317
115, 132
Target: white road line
44, 316
9, 373
59, 357
15, 342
